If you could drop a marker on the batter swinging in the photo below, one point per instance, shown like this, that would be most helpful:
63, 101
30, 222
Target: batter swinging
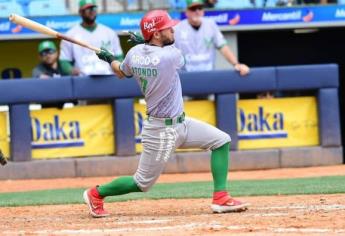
155, 66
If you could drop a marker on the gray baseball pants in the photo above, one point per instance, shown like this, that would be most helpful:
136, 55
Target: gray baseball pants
161, 140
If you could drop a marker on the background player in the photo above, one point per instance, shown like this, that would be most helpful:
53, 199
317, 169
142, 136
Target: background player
199, 37
49, 66
155, 66
98, 35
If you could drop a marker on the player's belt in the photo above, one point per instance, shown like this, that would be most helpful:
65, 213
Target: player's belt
170, 121
179, 119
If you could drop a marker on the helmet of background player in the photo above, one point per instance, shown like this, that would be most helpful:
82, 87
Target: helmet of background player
48, 52
84, 4
88, 11
154, 21
194, 3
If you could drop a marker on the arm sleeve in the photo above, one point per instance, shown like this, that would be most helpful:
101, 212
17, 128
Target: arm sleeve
219, 40
66, 67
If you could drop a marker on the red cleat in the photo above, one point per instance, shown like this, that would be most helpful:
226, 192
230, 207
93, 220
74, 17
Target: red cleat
95, 203
223, 203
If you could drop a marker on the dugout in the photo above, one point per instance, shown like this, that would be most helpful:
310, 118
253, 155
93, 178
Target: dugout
293, 47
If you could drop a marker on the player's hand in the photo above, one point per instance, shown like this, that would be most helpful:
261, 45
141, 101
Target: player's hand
135, 38
75, 71
243, 69
105, 55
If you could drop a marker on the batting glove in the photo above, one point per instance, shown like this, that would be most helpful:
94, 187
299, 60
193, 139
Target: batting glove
135, 38
106, 56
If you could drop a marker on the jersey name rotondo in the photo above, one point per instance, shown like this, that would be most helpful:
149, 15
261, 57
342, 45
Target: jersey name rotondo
198, 46
155, 69
85, 59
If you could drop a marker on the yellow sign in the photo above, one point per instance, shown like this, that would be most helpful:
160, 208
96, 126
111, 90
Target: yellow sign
280, 122
201, 110
73, 132
4, 137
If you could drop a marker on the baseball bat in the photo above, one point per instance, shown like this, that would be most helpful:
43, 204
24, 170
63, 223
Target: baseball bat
48, 31
3, 160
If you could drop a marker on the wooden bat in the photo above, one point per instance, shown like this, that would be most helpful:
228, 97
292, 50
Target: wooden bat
48, 31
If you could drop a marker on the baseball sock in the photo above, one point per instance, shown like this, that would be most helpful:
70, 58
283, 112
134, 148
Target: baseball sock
119, 186
219, 167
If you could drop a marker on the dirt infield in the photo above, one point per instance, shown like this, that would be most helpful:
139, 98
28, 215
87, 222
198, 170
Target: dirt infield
274, 215
279, 215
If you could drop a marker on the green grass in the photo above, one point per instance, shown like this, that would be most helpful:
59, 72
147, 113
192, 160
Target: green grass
321, 185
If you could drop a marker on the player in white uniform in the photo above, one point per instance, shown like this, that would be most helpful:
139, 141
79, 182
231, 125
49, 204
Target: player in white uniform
199, 37
98, 35
154, 65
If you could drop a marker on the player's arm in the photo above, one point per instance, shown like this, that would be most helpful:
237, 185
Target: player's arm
231, 58
115, 65
220, 43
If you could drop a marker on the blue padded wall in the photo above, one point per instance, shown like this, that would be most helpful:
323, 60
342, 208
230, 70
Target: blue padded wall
35, 90
228, 81
124, 127
224, 83
226, 116
329, 121
105, 87
20, 127
307, 77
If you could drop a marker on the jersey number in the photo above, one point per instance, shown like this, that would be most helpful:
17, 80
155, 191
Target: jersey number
143, 84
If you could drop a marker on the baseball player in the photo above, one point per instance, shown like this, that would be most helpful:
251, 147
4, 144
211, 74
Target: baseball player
85, 61
199, 37
154, 65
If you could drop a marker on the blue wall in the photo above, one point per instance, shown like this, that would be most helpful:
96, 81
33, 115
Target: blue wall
225, 84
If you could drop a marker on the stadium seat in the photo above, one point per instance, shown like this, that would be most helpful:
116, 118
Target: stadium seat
47, 7
269, 3
226, 4
178, 4
10, 6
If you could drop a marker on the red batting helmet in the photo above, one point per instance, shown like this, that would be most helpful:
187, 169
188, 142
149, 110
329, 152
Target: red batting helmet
155, 20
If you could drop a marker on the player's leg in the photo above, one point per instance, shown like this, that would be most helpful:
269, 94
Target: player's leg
203, 135
94, 197
159, 143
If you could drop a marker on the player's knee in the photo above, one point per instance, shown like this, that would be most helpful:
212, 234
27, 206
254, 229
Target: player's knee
144, 183
145, 187
226, 138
